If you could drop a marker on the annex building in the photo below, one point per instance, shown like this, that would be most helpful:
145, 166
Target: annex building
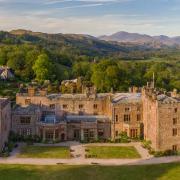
151, 114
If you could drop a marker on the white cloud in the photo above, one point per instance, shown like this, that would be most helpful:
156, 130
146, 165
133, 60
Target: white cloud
88, 25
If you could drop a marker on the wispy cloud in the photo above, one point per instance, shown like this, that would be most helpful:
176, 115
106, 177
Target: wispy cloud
95, 17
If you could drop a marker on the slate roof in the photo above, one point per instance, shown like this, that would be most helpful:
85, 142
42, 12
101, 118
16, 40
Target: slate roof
166, 99
126, 98
76, 96
30, 109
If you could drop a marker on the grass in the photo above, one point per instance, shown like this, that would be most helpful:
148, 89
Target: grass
62, 172
44, 152
112, 152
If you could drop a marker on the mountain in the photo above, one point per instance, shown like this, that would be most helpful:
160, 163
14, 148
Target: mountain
78, 43
75, 47
135, 38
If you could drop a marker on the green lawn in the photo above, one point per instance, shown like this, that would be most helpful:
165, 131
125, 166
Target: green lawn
61, 172
44, 152
112, 152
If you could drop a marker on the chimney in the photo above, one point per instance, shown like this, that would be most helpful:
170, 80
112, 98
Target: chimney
31, 91
43, 92
174, 93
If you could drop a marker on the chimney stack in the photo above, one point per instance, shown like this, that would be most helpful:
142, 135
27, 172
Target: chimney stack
31, 91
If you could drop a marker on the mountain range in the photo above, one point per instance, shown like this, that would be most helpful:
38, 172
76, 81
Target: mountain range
135, 38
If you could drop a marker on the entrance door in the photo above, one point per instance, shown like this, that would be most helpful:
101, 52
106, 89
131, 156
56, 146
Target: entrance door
49, 136
77, 134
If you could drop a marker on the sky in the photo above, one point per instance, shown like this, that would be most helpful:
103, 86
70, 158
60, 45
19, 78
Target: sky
93, 17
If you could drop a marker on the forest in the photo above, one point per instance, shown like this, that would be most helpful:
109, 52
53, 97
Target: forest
107, 65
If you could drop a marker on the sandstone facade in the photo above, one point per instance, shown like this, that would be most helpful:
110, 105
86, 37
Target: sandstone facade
150, 114
5, 121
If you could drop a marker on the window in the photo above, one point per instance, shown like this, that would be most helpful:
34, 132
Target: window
65, 106
91, 134
116, 118
27, 101
28, 132
138, 108
174, 121
100, 133
174, 147
174, 131
133, 133
127, 118
117, 133
81, 106
52, 106
127, 109
86, 133
95, 106
25, 120
25, 132
175, 110
138, 117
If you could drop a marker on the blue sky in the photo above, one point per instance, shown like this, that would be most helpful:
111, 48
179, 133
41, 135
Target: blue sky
94, 17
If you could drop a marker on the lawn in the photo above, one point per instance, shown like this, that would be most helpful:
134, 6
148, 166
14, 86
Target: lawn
44, 152
112, 152
62, 172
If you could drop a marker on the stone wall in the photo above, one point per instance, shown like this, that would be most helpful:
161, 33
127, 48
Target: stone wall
5, 121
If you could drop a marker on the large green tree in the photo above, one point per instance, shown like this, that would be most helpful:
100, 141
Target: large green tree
43, 68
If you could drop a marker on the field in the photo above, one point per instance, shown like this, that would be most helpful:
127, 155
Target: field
60, 172
112, 152
44, 152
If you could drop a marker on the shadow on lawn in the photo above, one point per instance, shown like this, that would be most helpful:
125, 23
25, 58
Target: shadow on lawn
60, 172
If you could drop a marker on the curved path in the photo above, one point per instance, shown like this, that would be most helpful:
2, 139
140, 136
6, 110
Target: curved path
79, 159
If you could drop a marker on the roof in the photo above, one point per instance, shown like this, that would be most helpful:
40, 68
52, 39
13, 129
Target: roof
166, 99
126, 98
85, 118
76, 96
30, 109
6, 73
3, 102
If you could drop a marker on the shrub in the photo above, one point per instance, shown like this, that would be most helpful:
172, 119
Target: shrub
122, 138
146, 144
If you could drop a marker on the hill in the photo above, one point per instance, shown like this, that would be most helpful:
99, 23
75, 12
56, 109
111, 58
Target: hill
136, 38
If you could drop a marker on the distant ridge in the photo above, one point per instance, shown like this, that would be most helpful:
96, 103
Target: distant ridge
137, 38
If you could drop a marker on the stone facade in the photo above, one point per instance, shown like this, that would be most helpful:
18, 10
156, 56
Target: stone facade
90, 116
5, 121
161, 119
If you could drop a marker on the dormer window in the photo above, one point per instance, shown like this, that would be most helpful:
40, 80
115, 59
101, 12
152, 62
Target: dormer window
81, 106
27, 101
127, 109
175, 110
95, 106
52, 106
65, 106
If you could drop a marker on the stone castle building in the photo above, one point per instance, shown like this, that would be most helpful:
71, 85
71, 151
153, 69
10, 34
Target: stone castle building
5, 121
90, 116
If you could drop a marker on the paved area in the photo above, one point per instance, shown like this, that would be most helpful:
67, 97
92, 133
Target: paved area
78, 156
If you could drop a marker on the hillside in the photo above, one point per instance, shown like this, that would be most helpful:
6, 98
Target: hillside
78, 45
136, 38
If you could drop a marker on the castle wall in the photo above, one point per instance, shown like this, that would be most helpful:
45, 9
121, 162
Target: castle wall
166, 115
5, 121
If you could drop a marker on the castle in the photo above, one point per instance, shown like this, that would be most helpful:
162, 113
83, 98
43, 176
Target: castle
146, 113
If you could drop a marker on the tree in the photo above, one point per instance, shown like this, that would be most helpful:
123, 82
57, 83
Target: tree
43, 68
